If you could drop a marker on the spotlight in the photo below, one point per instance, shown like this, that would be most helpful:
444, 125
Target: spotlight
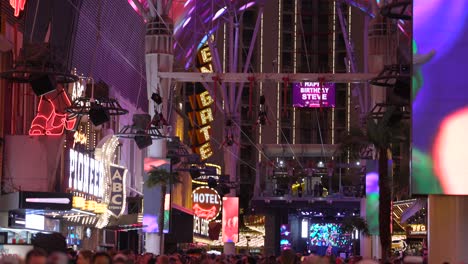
141, 121
358, 163
98, 114
320, 164
156, 98
194, 172
43, 84
223, 189
212, 182
143, 140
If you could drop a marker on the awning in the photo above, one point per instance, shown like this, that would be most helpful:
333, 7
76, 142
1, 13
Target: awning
413, 209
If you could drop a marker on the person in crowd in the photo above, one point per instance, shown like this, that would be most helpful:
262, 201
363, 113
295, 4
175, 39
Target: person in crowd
101, 258
120, 258
36, 256
288, 257
10, 259
162, 259
84, 257
57, 257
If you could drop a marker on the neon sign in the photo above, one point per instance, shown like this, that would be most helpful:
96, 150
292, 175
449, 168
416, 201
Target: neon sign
200, 120
18, 5
86, 174
117, 193
206, 203
205, 58
79, 138
200, 226
51, 118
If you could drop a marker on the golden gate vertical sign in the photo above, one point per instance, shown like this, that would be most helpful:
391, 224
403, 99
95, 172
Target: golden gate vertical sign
200, 118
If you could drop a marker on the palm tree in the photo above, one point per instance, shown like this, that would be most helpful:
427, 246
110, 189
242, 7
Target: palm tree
376, 142
160, 176
354, 223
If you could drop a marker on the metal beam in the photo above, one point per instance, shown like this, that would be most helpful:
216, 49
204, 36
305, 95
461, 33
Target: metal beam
261, 77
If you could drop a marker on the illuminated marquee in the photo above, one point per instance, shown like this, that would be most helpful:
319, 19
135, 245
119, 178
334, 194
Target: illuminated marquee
86, 174
200, 120
206, 203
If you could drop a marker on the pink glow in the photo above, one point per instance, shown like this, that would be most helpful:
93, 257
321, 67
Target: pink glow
153, 162
450, 148
18, 5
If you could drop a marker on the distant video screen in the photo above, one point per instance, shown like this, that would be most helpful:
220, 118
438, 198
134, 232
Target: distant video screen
327, 234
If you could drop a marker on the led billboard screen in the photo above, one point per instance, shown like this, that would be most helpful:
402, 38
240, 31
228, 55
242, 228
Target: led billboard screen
439, 97
230, 219
313, 94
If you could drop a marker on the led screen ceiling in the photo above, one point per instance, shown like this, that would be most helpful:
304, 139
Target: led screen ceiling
440, 97
195, 20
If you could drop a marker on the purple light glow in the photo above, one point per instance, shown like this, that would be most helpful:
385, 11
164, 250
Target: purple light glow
246, 6
187, 21
372, 182
219, 13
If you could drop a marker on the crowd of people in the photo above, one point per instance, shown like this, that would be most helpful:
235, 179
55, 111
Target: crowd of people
39, 256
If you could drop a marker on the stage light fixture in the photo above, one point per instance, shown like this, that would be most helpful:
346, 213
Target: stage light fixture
212, 183
98, 114
43, 84
194, 172
143, 140
156, 98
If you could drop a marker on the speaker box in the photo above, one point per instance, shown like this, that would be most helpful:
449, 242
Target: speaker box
144, 140
43, 84
98, 114
141, 121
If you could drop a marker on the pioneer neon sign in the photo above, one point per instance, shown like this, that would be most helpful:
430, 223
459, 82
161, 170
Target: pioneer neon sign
86, 174
206, 203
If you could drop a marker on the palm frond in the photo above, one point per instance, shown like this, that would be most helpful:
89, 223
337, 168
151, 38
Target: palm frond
356, 142
352, 223
159, 176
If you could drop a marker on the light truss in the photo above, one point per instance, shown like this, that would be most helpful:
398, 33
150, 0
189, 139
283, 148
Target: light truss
261, 77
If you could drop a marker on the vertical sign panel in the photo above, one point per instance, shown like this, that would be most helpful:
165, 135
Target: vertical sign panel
231, 219
372, 195
152, 197
439, 97
117, 196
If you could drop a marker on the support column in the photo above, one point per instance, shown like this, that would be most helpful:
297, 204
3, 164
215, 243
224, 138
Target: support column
159, 58
448, 231
270, 235
231, 154
365, 241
